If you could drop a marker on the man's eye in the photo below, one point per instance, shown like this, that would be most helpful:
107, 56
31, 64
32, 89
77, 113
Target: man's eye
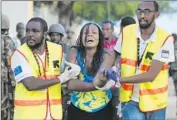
35, 30
147, 11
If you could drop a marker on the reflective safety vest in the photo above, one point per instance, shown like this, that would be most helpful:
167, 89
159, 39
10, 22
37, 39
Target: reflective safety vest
152, 95
34, 105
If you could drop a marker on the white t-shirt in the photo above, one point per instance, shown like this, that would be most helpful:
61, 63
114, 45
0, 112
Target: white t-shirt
168, 46
21, 69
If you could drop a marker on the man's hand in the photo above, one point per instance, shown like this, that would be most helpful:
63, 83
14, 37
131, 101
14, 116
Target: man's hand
108, 85
113, 76
73, 68
71, 72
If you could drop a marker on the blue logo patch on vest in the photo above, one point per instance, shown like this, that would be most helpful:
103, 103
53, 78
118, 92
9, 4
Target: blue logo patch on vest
17, 70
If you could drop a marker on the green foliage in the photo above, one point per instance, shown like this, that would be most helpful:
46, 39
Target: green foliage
163, 5
104, 10
99, 11
96, 10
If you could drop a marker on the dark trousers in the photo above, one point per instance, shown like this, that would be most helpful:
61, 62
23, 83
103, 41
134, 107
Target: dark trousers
75, 113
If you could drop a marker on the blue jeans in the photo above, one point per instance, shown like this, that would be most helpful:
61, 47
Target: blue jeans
131, 111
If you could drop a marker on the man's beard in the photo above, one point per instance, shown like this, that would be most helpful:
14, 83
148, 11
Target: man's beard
37, 45
56, 41
147, 25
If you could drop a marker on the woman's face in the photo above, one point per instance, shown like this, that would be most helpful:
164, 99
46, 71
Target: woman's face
90, 37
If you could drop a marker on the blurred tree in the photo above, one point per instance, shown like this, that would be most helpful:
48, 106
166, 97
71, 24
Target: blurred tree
108, 10
99, 11
66, 15
70, 11
62, 8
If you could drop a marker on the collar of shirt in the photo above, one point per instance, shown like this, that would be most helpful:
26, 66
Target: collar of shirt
151, 38
113, 41
110, 44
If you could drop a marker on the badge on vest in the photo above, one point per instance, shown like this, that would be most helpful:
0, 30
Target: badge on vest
17, 70
165, 54
149, 55
56, 64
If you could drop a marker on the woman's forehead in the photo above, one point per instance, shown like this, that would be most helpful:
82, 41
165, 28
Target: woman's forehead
91, 26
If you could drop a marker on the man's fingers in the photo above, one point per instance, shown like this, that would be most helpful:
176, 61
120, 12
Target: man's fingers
74, 77
110, 84
73, 74
68, 64
67, 68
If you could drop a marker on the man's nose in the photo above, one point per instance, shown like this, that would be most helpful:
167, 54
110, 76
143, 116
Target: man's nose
6, 32
104, 31
142, 15
29, 33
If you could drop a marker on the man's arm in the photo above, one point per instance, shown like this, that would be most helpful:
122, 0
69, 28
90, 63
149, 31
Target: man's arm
36, 83
33, 83
23, 73
149, 76
156, 66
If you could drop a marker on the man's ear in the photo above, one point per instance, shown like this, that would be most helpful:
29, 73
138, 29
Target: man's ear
157, 14
45, 34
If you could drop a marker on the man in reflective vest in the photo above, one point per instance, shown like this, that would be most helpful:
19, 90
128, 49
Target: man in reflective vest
145, 52
36, 67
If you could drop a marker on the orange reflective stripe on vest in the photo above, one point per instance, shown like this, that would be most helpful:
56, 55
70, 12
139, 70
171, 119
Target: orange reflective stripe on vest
127, 87
143, 67
30, 102
153, 91
146, 68
36, 102
128, 62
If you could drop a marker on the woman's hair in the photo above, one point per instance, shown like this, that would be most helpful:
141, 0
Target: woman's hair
98, 56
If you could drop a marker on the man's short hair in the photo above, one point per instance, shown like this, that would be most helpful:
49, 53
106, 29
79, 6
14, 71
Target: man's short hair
108, 21
42, 21
127, 21
174, 36
156, 6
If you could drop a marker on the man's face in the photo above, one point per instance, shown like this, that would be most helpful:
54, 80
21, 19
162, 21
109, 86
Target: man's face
35, 34
107, 30
70, 34
4, 31
146, 14
56, 37
21, 29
